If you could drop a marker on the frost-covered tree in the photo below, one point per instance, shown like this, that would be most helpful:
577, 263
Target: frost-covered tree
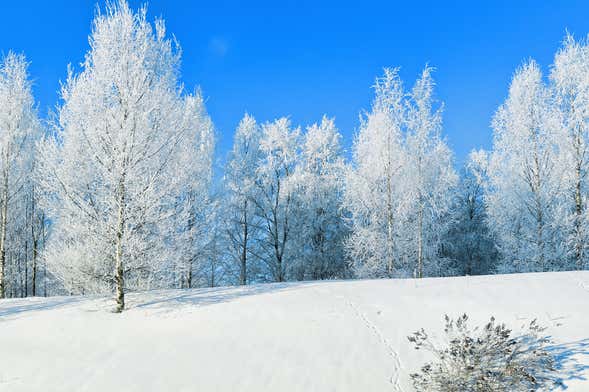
19, 128
374, 192
524, 181
570, 82
242, 193
319, 230
111, 170
469, 242
430, 179
399, 190
213, 264
193, 168
278, 146
37, 233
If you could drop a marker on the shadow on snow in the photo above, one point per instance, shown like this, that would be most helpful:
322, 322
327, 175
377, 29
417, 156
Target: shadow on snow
173, 299
571, 361
160, 300
14, 307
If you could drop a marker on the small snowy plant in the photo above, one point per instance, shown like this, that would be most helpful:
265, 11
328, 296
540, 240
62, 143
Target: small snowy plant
485, 360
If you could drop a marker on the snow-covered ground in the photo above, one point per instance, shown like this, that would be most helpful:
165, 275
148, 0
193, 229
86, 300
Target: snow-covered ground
316, 336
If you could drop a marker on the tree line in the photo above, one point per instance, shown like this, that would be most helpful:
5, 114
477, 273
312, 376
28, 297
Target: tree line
116, 191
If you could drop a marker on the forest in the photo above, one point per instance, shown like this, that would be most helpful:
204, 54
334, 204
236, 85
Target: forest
116, 191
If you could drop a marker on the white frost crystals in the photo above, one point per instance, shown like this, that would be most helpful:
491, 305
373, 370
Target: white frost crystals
111, 169
400, 186
125, 193
20, 127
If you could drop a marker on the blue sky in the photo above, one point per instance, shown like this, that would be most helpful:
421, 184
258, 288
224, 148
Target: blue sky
307, 58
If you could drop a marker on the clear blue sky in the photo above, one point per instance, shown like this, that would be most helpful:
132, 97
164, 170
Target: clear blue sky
307, 58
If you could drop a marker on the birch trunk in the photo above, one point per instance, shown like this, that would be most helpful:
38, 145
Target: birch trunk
243, 264
3, 225
420, 242
119, 278
189, 276
578, 218
190, 257
390, 263
34, 268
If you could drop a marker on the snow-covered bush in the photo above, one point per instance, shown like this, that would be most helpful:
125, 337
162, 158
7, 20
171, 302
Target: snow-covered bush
487, 359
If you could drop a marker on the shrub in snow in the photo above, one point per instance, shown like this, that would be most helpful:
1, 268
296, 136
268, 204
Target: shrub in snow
487, 359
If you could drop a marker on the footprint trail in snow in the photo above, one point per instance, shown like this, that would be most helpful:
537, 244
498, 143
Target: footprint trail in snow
395, 377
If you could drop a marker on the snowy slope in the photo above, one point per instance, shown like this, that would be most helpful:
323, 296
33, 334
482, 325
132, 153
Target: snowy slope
317, 336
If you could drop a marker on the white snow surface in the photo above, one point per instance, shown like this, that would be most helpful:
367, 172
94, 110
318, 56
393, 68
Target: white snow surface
312, 336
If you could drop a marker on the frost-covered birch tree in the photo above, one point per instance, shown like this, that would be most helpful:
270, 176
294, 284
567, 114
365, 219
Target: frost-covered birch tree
374, 192
524, 180
19, 128
192, 219
319, 230
37, 232
213, 264
278, 147
430, 179
242, 224
570, 82
399, 189
109, 171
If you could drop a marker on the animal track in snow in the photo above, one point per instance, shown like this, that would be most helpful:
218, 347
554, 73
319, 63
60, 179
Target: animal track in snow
395, 377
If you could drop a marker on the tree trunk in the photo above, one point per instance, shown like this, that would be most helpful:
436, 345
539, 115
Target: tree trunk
278, 254
280, 273
26, 269
279, 247
420, 217
390, 263
213, 265
191, 257
243, 264
43, 239
539, 207
34, 268
420, 242
540, 235
189, 276
119, 278
3, 225
578, 219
